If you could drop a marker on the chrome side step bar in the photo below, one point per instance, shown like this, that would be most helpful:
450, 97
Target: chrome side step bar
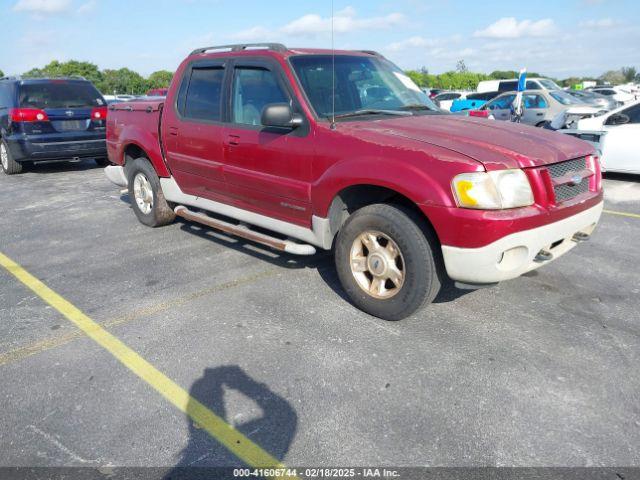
244, 232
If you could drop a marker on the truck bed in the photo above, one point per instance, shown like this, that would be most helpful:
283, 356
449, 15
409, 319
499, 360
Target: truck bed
137, 121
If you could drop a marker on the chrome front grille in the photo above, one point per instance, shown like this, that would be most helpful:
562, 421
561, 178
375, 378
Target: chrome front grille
567, 191
560, 169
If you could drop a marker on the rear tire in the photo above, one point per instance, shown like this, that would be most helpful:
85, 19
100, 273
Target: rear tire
145, 192
385, 259
9, 165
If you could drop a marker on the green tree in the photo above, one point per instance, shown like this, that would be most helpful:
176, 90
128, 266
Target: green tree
1, 74
159, 79
503, 74
629, 73
122, 81
34, 73
417, 77
614, 77
71, 68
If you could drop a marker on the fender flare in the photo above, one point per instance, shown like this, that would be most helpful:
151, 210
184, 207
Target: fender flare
149, 144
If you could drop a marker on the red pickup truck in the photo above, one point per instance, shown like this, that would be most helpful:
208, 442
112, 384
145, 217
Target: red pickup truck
341, 150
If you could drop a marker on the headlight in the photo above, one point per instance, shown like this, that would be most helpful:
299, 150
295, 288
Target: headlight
493, 190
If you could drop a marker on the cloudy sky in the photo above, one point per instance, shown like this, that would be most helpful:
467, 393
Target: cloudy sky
560, 38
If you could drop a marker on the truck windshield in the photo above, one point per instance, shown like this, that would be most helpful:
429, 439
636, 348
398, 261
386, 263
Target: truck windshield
59, 94
370, 84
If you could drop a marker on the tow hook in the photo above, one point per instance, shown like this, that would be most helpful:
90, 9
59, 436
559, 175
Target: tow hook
543, 256
581, 237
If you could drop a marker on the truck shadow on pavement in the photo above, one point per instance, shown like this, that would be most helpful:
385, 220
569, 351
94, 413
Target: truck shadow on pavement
261, 415
321, 261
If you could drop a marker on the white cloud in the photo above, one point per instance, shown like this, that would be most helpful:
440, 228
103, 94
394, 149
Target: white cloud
509, 27
87, 7
600, 23
251, 34
312, 24
412, 42
40, 7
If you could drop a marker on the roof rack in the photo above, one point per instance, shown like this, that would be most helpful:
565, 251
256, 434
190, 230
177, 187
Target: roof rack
238, 47
371, 52
47, 77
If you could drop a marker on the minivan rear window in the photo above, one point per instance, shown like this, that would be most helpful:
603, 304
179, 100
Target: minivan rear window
59, 94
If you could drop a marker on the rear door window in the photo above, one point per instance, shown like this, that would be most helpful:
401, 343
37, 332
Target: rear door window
59, 94
204, 94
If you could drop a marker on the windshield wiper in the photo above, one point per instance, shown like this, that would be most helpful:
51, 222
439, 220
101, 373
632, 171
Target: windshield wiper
370, 111
419, 107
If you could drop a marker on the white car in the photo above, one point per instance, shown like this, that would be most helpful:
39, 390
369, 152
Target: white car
619, 94
533, 83
616, 135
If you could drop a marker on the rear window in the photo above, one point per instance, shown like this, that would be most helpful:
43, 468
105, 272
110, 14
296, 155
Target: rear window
60, 94
204, 94
482, 96
512, 85
508, 86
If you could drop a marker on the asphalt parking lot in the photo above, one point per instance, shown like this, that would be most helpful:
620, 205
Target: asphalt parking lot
539, 371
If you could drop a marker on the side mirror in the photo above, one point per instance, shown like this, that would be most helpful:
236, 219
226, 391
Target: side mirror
280, 115
618, 119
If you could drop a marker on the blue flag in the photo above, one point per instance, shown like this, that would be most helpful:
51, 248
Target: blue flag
522, 80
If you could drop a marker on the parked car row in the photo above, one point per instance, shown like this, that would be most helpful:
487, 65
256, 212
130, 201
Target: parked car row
541, 107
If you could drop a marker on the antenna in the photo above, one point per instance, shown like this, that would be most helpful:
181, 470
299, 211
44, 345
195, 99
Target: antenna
333, 74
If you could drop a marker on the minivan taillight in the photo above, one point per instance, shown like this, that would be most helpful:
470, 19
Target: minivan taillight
99, 113
28, 115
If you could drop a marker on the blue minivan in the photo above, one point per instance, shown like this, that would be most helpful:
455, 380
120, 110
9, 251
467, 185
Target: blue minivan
50, 120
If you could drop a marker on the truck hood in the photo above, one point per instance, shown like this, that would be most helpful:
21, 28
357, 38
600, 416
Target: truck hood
495, 144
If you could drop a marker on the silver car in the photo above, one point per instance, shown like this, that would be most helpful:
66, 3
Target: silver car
595, 99
540, 106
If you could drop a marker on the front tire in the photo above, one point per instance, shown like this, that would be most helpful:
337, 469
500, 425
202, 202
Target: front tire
145, 192
9, 165
386, 262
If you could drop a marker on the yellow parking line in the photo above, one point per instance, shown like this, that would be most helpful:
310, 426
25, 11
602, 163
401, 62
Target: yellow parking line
622, 214
35, 348
224, 433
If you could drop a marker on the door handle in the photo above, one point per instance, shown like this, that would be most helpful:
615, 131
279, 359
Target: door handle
233, 140
173, 131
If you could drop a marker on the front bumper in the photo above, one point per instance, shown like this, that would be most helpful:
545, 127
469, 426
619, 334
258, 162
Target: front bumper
513, 255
